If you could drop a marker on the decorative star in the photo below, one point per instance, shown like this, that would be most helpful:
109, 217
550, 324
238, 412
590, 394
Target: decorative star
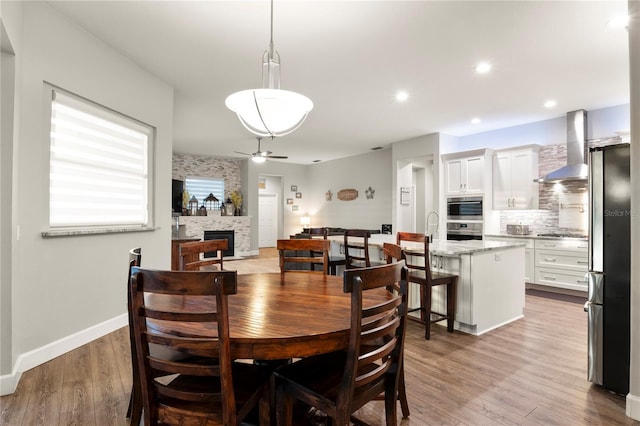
369, 193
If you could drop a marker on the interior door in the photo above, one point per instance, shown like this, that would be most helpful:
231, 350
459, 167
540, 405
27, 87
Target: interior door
267, 220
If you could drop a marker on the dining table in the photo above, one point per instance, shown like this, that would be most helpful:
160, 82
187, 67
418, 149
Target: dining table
278, 316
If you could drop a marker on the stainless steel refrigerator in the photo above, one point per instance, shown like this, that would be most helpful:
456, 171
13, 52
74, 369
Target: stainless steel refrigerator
608, 304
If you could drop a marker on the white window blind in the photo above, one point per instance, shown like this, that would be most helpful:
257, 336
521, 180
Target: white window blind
201, 187
98, 166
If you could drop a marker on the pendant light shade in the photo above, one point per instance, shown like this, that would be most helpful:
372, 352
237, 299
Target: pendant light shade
270, 111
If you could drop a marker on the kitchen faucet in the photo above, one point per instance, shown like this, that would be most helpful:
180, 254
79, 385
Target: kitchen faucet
433, 212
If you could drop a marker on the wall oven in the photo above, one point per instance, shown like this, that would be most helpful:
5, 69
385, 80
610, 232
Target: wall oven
464, 208
464, 231
464, 218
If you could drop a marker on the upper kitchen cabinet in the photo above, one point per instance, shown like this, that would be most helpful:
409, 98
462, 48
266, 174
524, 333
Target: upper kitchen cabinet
466, 172
513, 173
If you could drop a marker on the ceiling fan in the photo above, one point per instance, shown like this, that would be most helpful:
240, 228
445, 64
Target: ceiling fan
261, 156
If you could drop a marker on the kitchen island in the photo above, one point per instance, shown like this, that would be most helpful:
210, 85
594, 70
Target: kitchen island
491, 285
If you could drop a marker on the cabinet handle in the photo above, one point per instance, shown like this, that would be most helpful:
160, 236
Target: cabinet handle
549, 278
582, 247
460, 187
508, 202
583, 281
549, 245
583, 262
549, 259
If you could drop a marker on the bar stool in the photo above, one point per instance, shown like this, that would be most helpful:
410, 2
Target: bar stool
427, 279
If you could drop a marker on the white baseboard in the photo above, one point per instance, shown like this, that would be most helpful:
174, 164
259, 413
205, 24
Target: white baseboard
33, 358
633, 406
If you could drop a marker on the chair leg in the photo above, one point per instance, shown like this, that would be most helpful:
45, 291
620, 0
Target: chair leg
402, 396
451, 304
134, 411
427, 312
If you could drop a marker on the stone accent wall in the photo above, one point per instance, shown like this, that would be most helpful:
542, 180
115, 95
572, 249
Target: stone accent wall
185, 165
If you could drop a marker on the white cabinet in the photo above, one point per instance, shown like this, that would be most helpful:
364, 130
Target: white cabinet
561, 263
465, 175
513, 173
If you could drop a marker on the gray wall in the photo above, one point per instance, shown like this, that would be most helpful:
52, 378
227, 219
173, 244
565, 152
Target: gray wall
68, 289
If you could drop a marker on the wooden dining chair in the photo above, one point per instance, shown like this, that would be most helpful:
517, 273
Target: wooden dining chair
204, 386
356, 248
134, 410
340, 383
194, 255
420, 272
295, 254
335, 260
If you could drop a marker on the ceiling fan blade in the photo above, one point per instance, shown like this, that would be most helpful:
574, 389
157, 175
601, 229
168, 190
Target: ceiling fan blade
243, 153
282, 157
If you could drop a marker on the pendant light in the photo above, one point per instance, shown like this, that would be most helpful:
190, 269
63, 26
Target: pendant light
270, 111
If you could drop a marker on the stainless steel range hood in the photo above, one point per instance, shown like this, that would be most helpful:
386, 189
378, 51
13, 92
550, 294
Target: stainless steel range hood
576, 168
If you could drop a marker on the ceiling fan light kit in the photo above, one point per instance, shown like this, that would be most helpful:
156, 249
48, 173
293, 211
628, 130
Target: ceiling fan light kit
270, 111
261, 156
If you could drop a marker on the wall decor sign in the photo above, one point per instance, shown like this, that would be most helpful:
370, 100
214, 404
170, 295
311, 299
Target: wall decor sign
369, 193
294, 208
298, 194
262, 183
289, 200
347, 194
405, 195
294, 188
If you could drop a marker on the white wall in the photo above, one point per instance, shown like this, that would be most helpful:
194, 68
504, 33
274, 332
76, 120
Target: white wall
601, 123
405, 153
292, 174
67, 290
373, 170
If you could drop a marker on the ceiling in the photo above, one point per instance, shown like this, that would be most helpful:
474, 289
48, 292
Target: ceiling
351, 57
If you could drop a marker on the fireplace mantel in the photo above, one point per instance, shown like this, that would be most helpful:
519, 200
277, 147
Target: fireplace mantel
196, 225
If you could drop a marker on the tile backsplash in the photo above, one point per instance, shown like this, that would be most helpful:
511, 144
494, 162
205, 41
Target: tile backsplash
562, 206
556, 210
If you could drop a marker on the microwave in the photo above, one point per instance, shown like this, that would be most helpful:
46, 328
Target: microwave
464, 208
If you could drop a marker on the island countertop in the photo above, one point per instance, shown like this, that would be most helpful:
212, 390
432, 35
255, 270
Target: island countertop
441, 247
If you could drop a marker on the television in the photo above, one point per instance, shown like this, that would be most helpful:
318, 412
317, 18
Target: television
177, 187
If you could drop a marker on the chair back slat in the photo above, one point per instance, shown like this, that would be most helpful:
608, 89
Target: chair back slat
192, 254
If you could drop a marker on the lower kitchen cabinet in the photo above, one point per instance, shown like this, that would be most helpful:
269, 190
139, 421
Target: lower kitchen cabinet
562, 263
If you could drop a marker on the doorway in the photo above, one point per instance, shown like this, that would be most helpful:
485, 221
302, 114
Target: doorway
267, 220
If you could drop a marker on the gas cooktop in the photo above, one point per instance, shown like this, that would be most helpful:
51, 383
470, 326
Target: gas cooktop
562, 235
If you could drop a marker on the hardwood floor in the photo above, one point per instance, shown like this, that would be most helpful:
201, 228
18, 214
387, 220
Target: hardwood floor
530, 372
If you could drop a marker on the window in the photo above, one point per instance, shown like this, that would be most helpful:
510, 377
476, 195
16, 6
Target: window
99, 167
201, 187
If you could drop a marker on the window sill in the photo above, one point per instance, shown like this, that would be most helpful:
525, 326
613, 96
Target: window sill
78, 232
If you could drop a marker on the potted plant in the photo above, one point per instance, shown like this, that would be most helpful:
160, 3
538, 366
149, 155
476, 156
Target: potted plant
236, 200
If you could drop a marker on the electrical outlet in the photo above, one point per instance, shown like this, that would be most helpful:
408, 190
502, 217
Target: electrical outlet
498, 257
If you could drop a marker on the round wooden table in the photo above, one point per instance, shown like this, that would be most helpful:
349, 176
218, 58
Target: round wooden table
275, 316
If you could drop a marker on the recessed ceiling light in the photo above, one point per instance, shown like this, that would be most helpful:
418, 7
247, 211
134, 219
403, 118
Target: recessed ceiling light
621, 21
475, 120
550, 103
483, 67
402, 96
